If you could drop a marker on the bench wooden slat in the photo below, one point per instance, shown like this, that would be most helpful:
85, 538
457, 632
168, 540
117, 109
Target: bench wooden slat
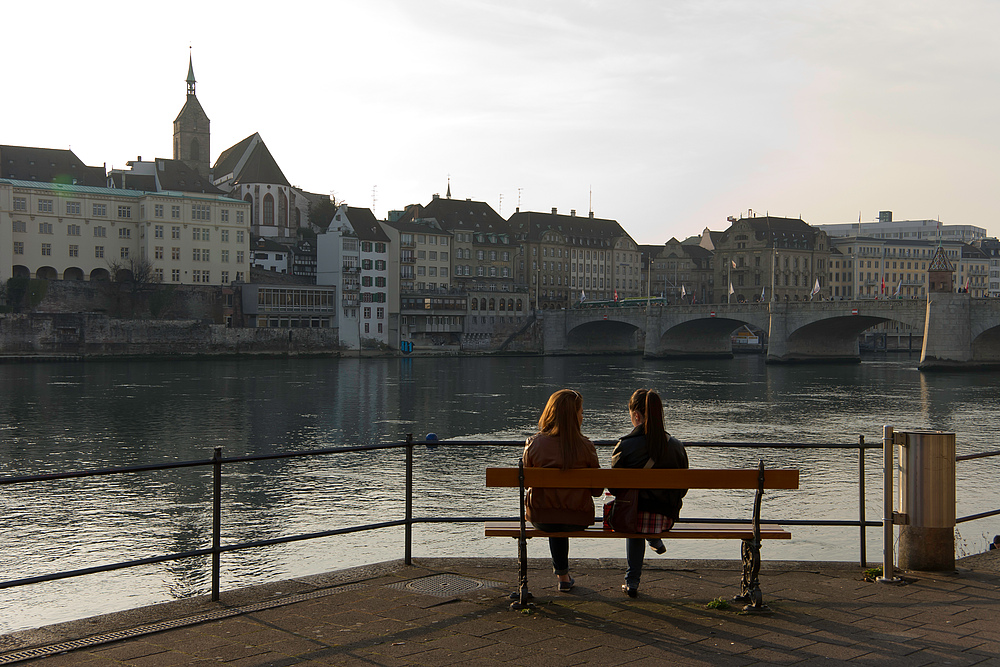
681, 530
635, 478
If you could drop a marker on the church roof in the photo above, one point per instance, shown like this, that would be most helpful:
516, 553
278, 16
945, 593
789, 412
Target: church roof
192, 107
250, 161
48, 165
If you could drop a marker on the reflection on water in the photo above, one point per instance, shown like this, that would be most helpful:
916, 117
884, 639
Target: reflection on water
57, 417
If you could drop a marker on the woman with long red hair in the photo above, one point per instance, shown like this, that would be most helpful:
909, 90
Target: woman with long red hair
559, 443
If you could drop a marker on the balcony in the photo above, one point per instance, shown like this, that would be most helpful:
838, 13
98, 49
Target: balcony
407, 244
350, 269
407, 259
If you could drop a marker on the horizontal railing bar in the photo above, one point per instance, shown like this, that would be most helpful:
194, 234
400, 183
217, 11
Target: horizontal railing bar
311, 536
786, 522
97, 472
610, 443
981, 515
104, 568
981, 455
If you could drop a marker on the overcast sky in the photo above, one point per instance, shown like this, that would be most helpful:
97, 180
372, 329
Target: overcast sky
668, 116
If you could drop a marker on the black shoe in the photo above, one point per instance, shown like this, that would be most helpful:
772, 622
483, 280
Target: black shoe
629, 591
566, 586
658, 547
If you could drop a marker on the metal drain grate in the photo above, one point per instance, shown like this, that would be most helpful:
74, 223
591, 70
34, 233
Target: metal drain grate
444, 585
131, 633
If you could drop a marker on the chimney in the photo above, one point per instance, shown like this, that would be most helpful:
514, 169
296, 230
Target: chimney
572, 213
591, 215
435, 196
554, 210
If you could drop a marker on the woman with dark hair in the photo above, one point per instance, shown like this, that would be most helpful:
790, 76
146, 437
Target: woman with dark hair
559, 443
649, 446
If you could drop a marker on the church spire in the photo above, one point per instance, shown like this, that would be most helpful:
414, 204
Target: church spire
190, 77
448, 195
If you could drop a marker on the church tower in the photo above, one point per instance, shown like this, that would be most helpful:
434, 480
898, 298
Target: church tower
191, 133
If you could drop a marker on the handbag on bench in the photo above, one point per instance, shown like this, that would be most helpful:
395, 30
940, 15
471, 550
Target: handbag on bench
621, 515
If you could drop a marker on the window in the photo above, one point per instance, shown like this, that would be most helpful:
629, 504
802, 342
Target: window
366, 264
20, 204
44, 227
380, 265
18, 247
158, 252
45, 206
368, 313
158, 210
175, 275
100, 232
72, 230
380, 281
125, 212
124, 233
20, 226
200, 212
239, 258
225, 277
239, 236
158, 231
268, 210
225, 235
175, 253
196, 276
224, 215
175, 212
225, 256
196, 254
239, 219
124, 253
158, 275
73, 208
99, 251
175, 232
100, 210
380, 247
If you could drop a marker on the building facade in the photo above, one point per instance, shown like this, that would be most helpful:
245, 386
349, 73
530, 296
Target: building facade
905, 230
71, 232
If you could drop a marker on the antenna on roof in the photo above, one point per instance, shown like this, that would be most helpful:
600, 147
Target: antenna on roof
519, 198
501, 204
374, 187
591, 200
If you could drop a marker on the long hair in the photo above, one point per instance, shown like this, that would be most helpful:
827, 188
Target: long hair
648, 404
561, 419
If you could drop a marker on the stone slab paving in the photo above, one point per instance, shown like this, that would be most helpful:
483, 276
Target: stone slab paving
822, 613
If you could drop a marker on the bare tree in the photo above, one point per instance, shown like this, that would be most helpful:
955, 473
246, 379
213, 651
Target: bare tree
131, 277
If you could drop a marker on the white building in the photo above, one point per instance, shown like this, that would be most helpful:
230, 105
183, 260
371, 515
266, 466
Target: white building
73, 232
353, 255
905, 230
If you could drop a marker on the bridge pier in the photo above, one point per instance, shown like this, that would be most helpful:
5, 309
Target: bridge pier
947, 332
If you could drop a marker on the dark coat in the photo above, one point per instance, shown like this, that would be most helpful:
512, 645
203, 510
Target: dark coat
632, 452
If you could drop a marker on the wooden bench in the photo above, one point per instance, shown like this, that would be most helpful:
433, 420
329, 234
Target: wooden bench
750, 533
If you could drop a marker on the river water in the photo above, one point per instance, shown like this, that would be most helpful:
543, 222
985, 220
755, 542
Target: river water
60, 417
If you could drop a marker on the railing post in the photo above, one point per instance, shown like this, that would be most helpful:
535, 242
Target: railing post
408, 528
888, 566
861, 500
216, 520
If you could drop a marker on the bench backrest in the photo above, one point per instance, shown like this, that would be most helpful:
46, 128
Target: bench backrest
637, 478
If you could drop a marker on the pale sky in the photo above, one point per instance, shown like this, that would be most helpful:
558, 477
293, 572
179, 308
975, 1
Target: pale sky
673, 114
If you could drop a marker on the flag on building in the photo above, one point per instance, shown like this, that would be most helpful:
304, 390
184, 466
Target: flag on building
616, 295
967, 284
899, 287
883, 283
815, 289
731, 290
683, 293
734, 263
761, 293
583, 296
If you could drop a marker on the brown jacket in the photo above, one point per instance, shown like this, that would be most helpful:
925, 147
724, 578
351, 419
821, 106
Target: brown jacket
569, 506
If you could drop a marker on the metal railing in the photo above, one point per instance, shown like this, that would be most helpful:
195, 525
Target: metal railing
980, 515
217, 462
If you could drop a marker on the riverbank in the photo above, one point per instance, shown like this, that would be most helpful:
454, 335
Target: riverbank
454, 611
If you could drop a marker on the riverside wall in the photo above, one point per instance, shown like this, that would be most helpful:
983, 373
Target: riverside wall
94, 335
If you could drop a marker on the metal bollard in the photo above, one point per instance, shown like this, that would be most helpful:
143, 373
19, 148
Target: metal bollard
926, 500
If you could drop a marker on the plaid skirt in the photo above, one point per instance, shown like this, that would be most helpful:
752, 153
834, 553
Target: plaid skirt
649, 522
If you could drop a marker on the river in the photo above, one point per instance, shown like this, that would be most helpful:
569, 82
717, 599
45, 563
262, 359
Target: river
56, 417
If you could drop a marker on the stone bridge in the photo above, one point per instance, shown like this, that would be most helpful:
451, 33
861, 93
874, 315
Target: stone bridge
958, 330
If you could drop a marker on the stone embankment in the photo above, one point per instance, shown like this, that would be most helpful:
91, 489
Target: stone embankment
93, 335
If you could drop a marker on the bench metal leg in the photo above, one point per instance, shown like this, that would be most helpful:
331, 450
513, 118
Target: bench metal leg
522, 596
750, 585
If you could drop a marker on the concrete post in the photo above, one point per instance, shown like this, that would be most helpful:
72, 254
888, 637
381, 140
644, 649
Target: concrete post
927, 500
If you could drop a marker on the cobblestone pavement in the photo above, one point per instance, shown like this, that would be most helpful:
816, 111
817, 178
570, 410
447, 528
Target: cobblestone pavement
454, 611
